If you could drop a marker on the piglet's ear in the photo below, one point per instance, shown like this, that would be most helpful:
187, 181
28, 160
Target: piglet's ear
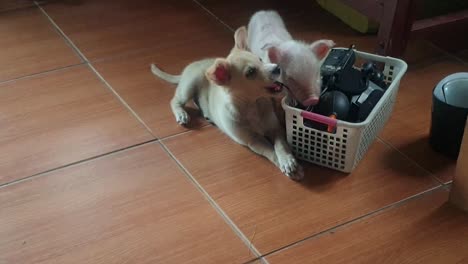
321, 48
274, 54
219, 72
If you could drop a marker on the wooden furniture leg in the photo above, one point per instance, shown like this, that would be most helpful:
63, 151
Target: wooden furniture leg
395, 27
459, 191
397, 21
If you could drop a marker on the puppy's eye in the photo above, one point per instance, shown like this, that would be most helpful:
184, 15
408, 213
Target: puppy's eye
261, 60
251, 73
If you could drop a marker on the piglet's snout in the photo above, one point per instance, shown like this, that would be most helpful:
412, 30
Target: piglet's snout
310, 101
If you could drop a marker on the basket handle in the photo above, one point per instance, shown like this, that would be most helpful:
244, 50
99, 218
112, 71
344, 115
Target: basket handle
319, 118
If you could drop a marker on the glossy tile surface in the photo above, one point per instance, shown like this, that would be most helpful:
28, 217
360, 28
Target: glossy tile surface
109, 28
409, 127
463, 54
134, 206
424, 230
9, 5
279, 211
148, 95
58, 118
84, 179
30, 45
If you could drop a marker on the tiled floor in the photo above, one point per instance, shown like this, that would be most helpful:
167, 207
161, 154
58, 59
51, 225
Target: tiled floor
94, 169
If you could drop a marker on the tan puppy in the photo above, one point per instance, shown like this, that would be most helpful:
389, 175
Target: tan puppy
234, 94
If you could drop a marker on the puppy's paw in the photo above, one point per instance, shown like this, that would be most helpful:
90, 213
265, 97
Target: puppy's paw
298, 174
287, 164
182, 118
291, 168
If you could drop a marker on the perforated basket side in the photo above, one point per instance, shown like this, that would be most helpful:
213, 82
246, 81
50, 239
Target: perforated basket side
332, 150
371, 131
378, 121
344, 150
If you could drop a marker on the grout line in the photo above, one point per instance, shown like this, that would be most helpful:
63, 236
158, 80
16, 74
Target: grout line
42, 73
71, 44
176, 134
79, 162
213, 203
433, 176
135, 52
448, 54
62, 34
125, 54
360, 218
427, 61
259, 259
448, 185
74, 163
120, 99
20, 7
100, 77
213, 15
184, 132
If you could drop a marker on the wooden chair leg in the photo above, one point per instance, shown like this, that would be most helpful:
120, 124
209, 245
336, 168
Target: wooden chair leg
395, 27
459, 191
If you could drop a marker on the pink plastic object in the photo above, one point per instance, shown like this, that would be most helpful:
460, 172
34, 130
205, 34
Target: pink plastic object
319, 118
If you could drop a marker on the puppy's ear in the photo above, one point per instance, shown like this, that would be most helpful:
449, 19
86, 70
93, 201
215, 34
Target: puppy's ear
240, 38
219, 72
274, 54
321, 48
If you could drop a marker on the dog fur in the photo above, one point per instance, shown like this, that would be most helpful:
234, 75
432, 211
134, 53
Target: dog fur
299, 62
231, 92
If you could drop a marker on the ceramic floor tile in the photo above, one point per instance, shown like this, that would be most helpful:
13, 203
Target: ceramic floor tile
463, 54
30, 45
408, 128
257, 262
301, 19
275, 211
424, 230
9, 5
307, 21
108, 28
451, 39
148, 95
130, 207
61, 117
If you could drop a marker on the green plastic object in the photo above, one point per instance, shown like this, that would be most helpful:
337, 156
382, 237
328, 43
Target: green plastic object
361, 23
349, 16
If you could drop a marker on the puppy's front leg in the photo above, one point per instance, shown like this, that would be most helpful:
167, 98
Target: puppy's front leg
288, 163
279, 154
184, 92
275, 132
261, 146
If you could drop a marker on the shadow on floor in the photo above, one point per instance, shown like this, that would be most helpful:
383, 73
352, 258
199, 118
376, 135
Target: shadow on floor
421, 152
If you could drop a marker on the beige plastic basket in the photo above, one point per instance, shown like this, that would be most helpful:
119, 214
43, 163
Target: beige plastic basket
343, 149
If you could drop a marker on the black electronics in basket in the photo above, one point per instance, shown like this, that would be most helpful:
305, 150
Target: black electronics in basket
348, 93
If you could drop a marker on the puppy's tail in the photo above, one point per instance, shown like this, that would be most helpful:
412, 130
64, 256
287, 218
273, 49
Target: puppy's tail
175, 79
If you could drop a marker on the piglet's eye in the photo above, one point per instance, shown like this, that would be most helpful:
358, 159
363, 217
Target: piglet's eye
251, 73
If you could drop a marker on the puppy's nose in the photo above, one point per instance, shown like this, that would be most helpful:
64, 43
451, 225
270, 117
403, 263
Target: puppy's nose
276, 70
